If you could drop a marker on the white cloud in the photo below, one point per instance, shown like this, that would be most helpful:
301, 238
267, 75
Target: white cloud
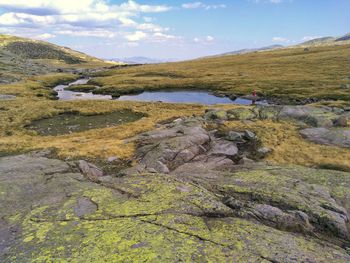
81, 6
206, 40
82, 12
44, 36
195, 5
88, 33
209, 39
83, 18
136, 36
280, 39
271, 1
148, 19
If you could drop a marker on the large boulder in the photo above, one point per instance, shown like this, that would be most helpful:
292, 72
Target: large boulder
335, 136
313, 116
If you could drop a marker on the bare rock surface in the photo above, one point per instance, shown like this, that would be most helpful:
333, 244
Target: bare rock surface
334, 136
51, 211
309, 115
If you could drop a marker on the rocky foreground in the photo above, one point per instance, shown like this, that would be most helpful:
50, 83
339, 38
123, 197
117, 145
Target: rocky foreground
195, 194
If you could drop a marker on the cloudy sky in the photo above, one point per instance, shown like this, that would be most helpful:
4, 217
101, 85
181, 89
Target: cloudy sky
176, 29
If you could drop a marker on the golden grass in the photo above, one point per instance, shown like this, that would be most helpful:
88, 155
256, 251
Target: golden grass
286, 73
290, 148
95, 143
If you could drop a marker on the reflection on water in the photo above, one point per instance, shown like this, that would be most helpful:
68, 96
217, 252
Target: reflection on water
74, 95
201, 97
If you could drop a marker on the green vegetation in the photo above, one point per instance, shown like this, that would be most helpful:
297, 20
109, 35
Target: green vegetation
291, 75
40, 51
21, 58
81, 88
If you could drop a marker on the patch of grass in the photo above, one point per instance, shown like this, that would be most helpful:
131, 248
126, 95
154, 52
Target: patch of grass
289, 74
94, 143
81, 88
37, 87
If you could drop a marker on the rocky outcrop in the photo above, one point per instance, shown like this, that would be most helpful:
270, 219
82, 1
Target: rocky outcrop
186, 141
309, 115
334, 136
51, 211
328, 125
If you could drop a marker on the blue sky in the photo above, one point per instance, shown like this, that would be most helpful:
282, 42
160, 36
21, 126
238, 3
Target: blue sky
177, 29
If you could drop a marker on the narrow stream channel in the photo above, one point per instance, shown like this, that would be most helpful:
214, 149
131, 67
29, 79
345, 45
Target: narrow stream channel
201, 97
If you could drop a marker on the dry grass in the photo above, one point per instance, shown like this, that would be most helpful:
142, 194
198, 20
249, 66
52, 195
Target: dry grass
286, 73
95, 143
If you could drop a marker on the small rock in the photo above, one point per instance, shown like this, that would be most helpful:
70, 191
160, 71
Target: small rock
106, 179
161, 167
345, 86
234, 136
7, 97
91, 171
337, 110
112, 159
216, 115
151, 170
342, 121
233, 97
241, 114
249, 135
263, 152
223, 147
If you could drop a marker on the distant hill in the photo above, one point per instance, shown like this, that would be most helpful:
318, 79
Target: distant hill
245, 51
319, 41
22, 57
141, 60
343, 38
327, 41
314, 42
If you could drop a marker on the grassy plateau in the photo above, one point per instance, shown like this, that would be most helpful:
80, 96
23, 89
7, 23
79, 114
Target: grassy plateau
288, 74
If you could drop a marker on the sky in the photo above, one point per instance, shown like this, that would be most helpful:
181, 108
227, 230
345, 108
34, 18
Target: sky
178, 29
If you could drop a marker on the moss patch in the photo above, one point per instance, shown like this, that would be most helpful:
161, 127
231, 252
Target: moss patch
75, 122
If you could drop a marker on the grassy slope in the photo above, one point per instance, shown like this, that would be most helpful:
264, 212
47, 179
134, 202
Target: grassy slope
22, 57
287, 73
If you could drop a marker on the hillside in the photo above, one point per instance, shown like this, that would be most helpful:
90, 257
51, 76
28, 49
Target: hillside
294, 75
21, 57
247, 50
322, 41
